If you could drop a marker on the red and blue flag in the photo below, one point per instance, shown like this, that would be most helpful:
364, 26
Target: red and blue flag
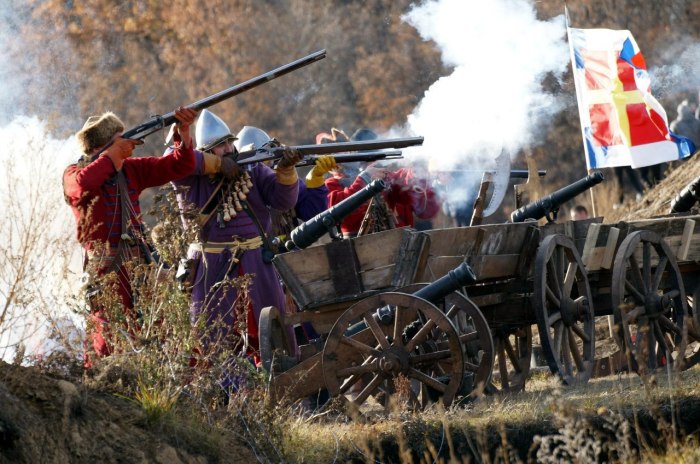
622, 123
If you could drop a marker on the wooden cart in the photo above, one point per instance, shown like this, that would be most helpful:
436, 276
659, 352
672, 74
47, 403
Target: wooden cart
375, 335
562, 277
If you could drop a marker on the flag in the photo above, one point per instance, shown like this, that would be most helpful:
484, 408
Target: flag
622, 123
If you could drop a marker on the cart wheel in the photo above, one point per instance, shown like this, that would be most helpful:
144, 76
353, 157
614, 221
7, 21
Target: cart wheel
392, 341
272, 336
694, 326
513, 354
564, 309
649, 304
474, 333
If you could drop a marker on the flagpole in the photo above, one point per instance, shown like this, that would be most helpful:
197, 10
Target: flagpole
593, 208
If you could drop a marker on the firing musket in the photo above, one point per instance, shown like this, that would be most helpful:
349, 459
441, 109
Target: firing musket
687, 197
549, 206
158, 122
371, 147
365, 156
514, 173
328, 221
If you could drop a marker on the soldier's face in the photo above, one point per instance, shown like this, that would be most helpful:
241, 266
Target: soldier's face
224, 148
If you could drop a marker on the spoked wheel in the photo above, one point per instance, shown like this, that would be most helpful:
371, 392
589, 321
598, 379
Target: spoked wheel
649, 304
273, 337
513, 354
475, 335
564, 309
694, 325
387, 343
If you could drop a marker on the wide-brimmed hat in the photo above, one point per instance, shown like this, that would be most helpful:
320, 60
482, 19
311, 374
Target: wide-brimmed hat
98, 131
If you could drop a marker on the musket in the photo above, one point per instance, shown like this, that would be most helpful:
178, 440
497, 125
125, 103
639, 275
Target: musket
158, 122
549, 206
266, 153
514, 173
365, 156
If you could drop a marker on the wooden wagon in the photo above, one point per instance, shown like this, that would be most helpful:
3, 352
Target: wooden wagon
358, 295
559, 277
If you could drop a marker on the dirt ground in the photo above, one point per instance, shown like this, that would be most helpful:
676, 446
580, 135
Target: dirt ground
657, 200
45, 418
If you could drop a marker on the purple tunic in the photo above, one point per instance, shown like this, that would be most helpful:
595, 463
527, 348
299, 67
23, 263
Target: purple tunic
311, 202
265, 289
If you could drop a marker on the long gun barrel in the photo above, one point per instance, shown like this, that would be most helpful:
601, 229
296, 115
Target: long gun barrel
156, 123
514, 173
273, 153
549, 206
365, 156
454, 280
687, 197
313, 229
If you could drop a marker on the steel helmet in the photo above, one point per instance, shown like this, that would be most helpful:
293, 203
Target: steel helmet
210, 131
251, 138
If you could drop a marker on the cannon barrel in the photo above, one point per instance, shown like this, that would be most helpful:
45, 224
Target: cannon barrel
551, 203
454, 280
313, 229
687, 197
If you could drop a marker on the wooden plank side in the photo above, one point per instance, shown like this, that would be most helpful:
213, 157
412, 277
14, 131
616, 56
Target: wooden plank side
308, 265
344, 267
610, 248
292, 282
380, 249
451, 242
687, 238
485, 267
589, 246
414, 248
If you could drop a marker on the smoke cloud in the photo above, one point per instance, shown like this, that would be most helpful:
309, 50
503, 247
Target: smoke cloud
494, 99
41, 257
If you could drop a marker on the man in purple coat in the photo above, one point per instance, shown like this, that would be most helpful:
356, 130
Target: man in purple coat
234, 216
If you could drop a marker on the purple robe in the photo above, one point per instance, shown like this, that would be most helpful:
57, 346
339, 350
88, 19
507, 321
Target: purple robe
311, 202
266, 289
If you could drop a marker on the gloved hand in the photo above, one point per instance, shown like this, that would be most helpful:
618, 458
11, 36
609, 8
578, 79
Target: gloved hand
373, 172
286, 171
185, 117
323, 164
290, 157
229, 168
120, 150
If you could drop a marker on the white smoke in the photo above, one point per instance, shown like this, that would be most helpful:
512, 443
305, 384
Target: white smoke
493, 99
683, 75
39, 255
41, 270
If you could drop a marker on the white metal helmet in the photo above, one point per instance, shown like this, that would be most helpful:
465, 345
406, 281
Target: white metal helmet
251, 138
210, 131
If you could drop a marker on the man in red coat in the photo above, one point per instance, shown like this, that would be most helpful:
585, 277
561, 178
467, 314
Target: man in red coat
103, 190
406, 196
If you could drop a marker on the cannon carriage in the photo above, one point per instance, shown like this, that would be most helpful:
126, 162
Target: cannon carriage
380, 320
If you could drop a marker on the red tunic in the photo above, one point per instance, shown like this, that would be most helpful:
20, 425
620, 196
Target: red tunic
406, 196
92, 193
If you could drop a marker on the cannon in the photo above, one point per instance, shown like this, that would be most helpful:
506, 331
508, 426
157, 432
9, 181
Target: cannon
455, 279
549, 206
687, 197
327, 221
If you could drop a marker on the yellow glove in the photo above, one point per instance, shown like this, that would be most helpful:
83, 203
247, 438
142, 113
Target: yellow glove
323, 164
